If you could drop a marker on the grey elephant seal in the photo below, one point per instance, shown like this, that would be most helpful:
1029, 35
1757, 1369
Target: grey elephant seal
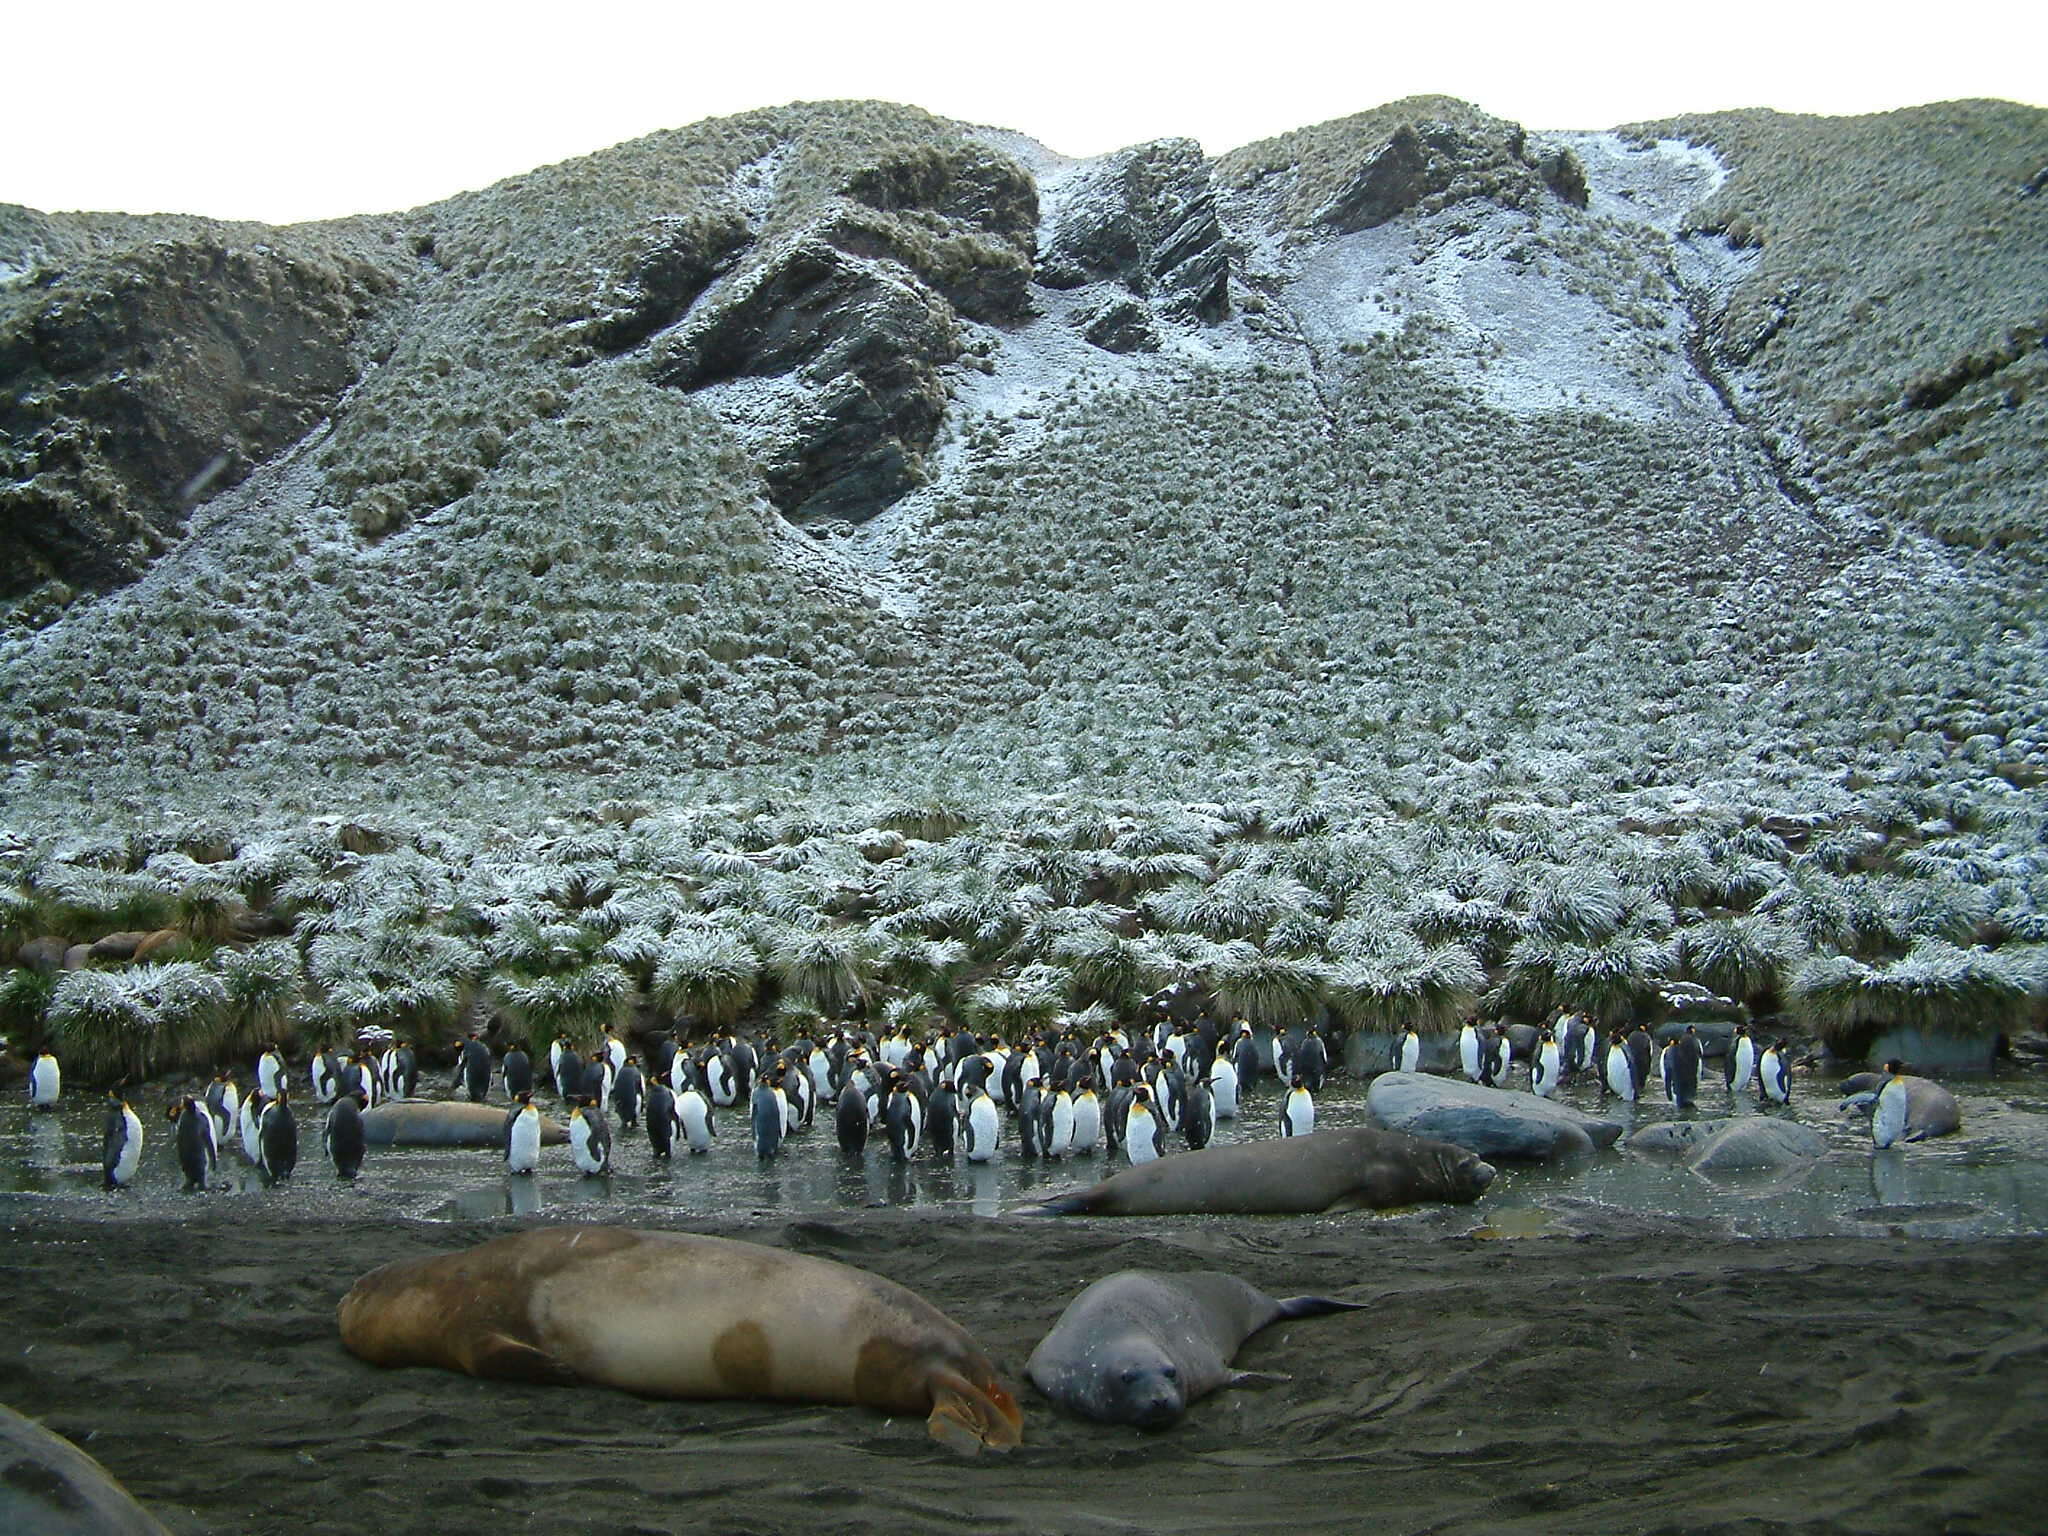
1931, 1110
1350, 1170
668, 1314
49, 1487
435, 1123
1138, 1347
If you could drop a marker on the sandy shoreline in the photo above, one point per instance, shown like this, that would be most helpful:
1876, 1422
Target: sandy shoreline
1664, 1382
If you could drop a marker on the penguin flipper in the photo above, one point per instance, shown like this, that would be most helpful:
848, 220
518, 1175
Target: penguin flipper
971, 1419
500, 1357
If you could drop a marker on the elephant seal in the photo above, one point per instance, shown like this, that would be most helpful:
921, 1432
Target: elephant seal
1349, 1170
669, 1314
1138, 1347
449, 1123
49, 1487
1931, 1110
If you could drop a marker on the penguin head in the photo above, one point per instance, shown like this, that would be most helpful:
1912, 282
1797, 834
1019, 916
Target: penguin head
1895, 1067
1145, 1389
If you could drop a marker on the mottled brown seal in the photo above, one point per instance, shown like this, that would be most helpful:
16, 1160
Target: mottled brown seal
446, 1123
669, 1314
1350, 1170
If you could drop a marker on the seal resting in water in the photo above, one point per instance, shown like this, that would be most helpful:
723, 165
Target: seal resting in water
668, 1314
1138, 1347
1350, 1170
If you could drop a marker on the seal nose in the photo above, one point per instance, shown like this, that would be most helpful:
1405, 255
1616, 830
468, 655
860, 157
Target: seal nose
1482, 1174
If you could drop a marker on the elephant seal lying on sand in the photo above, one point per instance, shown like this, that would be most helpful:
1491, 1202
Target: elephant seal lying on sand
1138, 1347
668, 1314
1352, 1170
446, 1123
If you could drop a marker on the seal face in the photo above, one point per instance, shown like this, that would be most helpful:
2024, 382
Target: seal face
668, 1314
1138, 1347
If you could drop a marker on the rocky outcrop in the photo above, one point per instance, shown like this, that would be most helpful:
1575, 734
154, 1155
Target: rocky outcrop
1441, 163
136, 383
857, 345
1493, 1122
1145, 218
848, 320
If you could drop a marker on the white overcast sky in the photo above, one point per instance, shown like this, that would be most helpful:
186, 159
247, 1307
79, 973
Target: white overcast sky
284, 111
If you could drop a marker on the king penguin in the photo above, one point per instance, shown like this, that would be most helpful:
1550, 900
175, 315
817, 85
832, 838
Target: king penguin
198, 1150
982, 1130
1471, 1051
693, 1110
850, 1119
1619, 1076
1144, 1137
1739, 1065
522, 1136
1888, 1118
903, 1119
590, 1139
768, 1118
1774, 1075
45, 1082
1546, 1066
277, 1138
1223, 1084
1682, 1069
269, 1071
1407, 1052
1298, 1110
1087, 1117
122, 1152
343, 1135
662, 1119
1198, 1115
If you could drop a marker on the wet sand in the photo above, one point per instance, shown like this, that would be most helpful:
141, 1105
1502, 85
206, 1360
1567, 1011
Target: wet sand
1666, 1380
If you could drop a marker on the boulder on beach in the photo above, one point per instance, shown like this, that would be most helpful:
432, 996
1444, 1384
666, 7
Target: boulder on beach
1676, 1137
1493, 1122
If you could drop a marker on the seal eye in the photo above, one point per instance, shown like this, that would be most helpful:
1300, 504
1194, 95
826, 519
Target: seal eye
1130, 1375
1171, 1373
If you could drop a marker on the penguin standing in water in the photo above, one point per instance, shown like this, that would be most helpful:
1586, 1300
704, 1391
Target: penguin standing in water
1546, 1066
1682, 1069
628, 1090
1030, 1103
1774, 1075
1223, 1086
1407, 1053
277, 1138
1144, 1137
1297, 1110
769, 1119
522, 1137
981, 1129
1472, 1051
662, 1120
1888, 1117
45, 1082
198, 1150
1056, 1124
942, 1121
903, 1119
1618, 1075
590, 1139
1087, 1117
1641, 1049
343, 1135
1574, 1042
693, 1113
1739, 1065
121, 1151
850, 1119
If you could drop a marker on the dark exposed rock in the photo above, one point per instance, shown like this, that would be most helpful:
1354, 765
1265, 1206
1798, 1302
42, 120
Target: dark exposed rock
1122, 324
668, 266
962, 216
1439, 163
863, 340
135, 383
1562, 173
1145, 218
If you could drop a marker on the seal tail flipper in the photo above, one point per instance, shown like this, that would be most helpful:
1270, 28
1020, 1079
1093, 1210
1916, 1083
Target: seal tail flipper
1074, 1202
1316, 1306
971, 1419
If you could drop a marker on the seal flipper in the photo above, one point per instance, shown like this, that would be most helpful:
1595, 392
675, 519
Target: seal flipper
500, 1357
971, 1419
1075, 1202
1316, 1306
1258, 1379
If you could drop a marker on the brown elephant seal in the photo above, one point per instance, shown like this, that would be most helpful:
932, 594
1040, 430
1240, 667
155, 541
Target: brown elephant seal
1138, 1347
446, 1123
1931, 1110
668, 1314
49, 1487
1351, 1170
